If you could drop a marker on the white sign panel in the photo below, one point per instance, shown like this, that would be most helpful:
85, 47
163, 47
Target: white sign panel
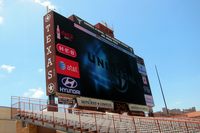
135, 107
91, 102
149, 100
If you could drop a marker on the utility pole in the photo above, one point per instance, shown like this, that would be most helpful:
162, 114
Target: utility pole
162, 90
47, 9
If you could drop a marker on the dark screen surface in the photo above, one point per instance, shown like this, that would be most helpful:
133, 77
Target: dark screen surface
89, 67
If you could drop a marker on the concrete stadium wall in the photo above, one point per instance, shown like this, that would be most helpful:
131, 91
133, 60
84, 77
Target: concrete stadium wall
6, 124
30, 128
15, 126
5, 113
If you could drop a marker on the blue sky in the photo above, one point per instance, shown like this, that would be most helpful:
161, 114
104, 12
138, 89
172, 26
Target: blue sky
165, 33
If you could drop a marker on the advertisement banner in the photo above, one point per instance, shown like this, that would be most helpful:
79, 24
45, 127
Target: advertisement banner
149, 100
91, 102
142, 69
68, 85
145, 81
135, 107
67, 67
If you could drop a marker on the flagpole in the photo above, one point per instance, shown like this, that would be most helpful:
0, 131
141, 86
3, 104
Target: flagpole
161, 90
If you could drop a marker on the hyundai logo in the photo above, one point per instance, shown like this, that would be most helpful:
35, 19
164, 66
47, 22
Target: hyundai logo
69, 82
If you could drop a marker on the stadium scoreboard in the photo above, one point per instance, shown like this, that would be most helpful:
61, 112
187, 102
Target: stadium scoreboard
84, 62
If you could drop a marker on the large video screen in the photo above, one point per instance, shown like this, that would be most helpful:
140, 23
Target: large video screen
90, 66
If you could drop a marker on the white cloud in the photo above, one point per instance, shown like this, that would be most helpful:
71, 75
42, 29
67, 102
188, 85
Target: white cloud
1, 6
45, 3
34, 93
1, 3
7, 68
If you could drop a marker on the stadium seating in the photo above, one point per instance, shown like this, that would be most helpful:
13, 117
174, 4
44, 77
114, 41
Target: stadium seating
69, 119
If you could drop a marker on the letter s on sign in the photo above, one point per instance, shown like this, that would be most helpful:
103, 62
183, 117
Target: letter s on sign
50, 74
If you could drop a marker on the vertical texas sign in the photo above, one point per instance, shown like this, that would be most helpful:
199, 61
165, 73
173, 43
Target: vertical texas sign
50, 58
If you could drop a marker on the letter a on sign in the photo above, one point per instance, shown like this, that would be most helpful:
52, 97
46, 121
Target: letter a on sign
49, 63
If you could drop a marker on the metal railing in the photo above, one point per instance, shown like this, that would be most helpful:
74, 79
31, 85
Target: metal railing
69, 119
